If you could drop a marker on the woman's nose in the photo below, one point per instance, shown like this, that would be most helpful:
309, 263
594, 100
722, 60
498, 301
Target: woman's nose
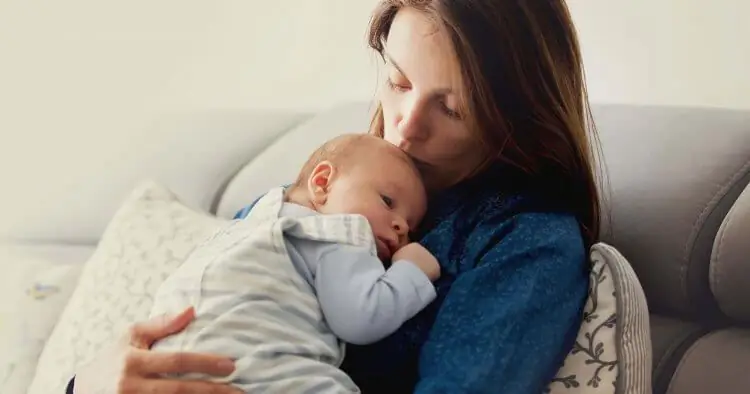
411, 124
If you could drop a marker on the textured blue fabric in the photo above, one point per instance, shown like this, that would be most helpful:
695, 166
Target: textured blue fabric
510, 298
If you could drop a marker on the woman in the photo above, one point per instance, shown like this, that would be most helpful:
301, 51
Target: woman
488, 97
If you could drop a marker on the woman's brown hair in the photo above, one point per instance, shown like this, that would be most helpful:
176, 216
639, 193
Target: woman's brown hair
526, 93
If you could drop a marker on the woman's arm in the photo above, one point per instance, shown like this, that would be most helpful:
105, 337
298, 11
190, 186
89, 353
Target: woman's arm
506, 326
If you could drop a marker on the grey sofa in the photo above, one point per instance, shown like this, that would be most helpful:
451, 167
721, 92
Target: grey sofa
679, 210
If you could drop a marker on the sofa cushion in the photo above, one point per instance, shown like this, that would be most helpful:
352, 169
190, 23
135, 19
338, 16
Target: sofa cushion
280, 163
674, 173
34, 289
612, 353
193, 152
730, 261
717, 363
670, 339
149, 237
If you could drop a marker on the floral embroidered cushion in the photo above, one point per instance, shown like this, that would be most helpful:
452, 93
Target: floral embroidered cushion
612, 353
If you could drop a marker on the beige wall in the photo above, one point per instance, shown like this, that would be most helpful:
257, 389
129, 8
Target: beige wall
81, 80
674, 52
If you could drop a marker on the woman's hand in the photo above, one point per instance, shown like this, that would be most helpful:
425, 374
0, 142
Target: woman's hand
130, 367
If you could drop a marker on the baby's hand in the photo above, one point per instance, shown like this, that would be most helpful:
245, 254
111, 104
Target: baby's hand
421, 257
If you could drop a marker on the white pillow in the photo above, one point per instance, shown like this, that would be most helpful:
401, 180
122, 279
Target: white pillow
612, 353
34, 292
149, 237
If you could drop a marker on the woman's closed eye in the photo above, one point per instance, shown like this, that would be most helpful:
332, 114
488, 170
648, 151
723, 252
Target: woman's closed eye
450, 112
398, 87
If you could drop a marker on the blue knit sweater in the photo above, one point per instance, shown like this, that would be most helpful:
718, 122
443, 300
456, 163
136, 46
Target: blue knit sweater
514, 281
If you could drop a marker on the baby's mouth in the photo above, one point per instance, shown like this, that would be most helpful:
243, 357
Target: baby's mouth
384, 251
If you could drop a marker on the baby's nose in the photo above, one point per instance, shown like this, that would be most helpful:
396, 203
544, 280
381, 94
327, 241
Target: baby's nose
400, 227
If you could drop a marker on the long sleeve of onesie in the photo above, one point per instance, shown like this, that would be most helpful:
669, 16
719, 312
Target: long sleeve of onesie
362, 301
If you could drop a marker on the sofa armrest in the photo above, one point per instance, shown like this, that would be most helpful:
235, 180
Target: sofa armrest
35, 287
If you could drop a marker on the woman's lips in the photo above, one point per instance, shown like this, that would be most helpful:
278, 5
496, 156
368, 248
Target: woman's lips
420, 163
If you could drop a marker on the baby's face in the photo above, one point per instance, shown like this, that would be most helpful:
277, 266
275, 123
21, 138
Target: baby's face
387, 190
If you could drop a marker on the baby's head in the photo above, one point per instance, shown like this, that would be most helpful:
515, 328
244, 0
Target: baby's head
363, 174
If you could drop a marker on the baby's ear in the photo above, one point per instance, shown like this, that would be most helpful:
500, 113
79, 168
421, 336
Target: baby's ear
319, 182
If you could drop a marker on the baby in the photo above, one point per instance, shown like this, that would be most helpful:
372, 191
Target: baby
282, 290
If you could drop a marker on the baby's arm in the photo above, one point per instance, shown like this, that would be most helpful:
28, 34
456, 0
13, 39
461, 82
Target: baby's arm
361, 301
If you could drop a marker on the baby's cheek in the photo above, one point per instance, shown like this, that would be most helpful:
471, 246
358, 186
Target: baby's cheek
379, 222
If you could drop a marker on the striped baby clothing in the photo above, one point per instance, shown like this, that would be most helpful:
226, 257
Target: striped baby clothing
261, 307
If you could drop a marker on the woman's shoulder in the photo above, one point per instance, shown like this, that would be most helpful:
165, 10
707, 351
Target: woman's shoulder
518, 208
493, 227
546, 245
502, 194
525, 218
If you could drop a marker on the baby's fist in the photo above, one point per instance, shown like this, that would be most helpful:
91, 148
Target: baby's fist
421, 257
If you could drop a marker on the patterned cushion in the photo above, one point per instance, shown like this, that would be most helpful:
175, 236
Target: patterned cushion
612, 353
148, 238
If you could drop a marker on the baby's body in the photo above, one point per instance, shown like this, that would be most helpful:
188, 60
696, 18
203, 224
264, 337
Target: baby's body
284, 289
361, 301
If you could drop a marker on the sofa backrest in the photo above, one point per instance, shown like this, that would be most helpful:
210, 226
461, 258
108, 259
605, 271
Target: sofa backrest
674, 173
281, 162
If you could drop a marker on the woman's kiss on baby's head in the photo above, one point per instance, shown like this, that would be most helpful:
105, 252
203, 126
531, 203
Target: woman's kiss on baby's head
363, 174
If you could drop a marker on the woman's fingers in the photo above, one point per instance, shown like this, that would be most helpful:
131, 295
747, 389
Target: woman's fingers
166, 386
147, 363
131, 367
143, 335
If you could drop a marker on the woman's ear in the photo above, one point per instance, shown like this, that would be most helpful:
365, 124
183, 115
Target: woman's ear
319, 183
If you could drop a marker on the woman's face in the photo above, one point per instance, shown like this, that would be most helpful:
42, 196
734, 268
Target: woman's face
420, 101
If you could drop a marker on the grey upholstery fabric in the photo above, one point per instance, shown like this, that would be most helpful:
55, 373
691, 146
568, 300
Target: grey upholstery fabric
718, 363
730, 261
669, 188
192, 152
280, 163
670, 339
